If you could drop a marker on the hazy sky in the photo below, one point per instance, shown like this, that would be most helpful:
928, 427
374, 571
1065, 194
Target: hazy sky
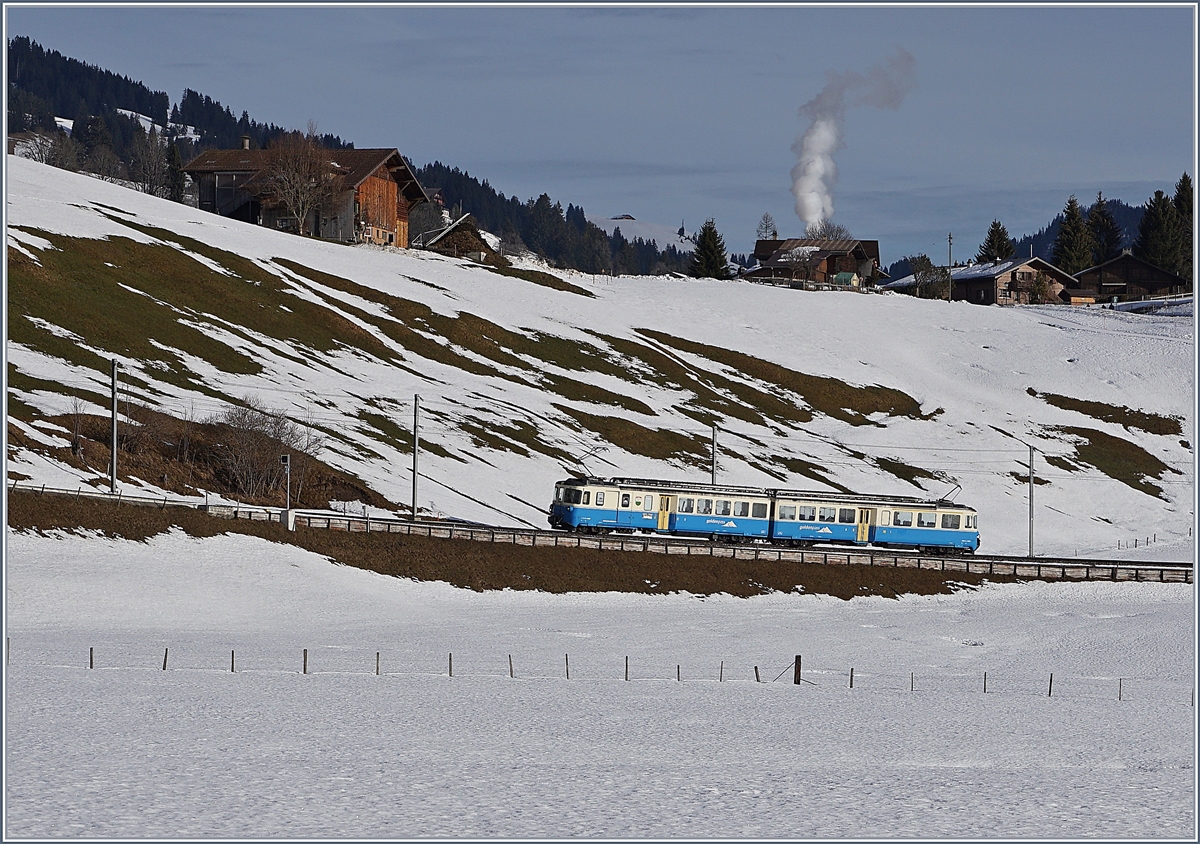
684, 113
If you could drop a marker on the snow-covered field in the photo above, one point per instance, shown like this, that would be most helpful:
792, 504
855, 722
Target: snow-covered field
128, 750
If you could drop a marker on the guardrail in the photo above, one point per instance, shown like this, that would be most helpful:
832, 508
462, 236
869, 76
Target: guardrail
1029, 567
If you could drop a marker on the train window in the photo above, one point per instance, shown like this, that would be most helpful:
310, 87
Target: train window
741, 509
722, 507
599, 499
902, 518
806, 513
687, 505
926, 519
759, 510
885, 517
973, 521
788, 512
950, 521
573, 496
587, 498
558, 491
846, 515
704, 506
625, 499
649, 504
828, 514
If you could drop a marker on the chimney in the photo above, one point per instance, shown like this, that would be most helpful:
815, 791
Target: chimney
245, 142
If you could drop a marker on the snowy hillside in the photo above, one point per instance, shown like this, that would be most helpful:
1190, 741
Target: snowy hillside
521, 383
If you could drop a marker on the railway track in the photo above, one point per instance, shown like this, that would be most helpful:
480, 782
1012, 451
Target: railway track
1041, 568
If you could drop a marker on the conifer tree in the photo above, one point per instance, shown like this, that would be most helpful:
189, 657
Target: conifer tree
1158, 235
996, 246
1106, 234
1183, 214
1073, 246
708, 259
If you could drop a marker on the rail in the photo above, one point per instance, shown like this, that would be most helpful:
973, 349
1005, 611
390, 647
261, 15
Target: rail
1042, 568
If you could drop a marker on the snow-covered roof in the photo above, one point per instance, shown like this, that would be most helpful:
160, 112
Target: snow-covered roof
988, 270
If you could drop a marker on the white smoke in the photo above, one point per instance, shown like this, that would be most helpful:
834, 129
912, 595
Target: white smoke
813, 177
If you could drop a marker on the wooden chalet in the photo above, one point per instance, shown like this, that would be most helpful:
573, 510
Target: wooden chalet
1013, 281
1122, 279
378, 187
817, 264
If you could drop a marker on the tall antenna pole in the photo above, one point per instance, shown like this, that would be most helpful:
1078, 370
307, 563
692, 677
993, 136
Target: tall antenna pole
112, 463
714, 456
1031, 501
416, 447
950, 262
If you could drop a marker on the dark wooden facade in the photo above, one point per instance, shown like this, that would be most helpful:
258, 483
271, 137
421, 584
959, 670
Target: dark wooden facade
378, 189
827, 258
1125, 278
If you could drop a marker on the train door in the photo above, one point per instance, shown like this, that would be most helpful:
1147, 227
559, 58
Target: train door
666, 503
866, 518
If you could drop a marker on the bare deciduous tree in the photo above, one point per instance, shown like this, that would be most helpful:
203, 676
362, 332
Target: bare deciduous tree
254, 437
300, 175
929, 282
148, 163
827, 230
800, 260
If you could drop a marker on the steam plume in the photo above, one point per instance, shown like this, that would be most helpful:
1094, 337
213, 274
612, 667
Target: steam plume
813, 177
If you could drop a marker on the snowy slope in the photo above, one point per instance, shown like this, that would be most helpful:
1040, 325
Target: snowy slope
914, 750
970, 369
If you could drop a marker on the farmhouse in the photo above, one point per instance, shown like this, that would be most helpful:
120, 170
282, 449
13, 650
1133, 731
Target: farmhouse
377, 189
1014, 281
1124, 278
817, 264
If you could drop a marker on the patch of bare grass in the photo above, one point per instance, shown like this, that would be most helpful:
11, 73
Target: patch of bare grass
1151, 423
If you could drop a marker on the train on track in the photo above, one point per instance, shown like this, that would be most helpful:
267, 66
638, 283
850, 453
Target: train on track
795, 518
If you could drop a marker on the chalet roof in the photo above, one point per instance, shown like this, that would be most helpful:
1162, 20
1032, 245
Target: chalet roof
991, 270
356, 165
1128, 257
769, 251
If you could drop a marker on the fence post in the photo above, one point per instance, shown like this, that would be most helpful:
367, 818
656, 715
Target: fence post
796, 678
376, 663
451, 663
511, 675
678, 674
165, 650
985, 682
721, 675
1120, 686
306, 660
626, 669
912, 681
231, 661
756, 675
91, 657
567, 659
852, 677
1050, 690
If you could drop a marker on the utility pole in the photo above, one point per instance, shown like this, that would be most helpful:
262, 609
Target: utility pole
112, 463
950, 262
714, 456
416, 447
1030, 501
286, 460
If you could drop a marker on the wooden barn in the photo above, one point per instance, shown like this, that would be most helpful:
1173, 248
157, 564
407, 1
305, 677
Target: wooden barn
817, 264
1124, 278
378, 187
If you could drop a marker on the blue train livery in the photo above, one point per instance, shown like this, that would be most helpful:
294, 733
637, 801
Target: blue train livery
781, 516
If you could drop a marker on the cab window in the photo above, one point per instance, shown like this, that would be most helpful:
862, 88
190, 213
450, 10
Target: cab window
827, 514
741, 509
687, 505
787, 512
846, 515
902, 518
926, 520
722, 507
573, 496
951, 521
758, 510
558, 491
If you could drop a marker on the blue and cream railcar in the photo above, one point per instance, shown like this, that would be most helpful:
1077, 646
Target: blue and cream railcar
737, 514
